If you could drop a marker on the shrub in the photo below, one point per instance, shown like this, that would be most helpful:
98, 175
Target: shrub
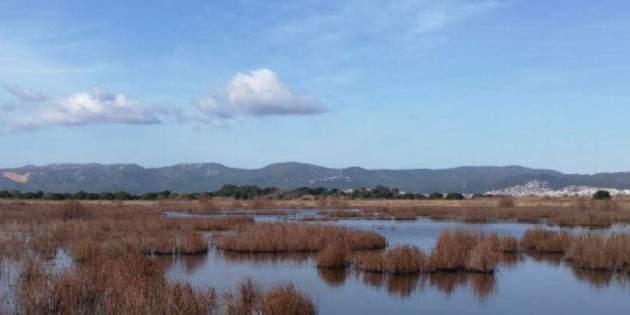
601, 195
454, 196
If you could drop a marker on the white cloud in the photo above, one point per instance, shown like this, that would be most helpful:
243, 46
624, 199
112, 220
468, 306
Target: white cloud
258, 93
81, 109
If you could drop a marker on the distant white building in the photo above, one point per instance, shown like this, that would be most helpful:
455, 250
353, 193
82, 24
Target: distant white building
542, 188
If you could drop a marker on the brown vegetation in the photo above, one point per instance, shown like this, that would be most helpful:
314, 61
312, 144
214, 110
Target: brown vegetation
398, 260
220, 224
334, 255
129, 285
112, 244
112, 270
290, 237
461, 250
545, 241
609, 253
282, 299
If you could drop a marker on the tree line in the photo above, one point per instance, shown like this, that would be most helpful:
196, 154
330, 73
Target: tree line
251, 191
239, 192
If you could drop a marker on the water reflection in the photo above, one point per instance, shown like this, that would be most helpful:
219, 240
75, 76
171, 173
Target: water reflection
333, 277
510, 259
550, 259
481, 285
598, 279
396, 285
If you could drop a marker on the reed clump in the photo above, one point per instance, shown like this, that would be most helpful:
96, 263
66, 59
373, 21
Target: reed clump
462, 250
484, 257
282, 299
398, 260
545, 241
297, 237
334, 255
130, 285
285, 299
604, 253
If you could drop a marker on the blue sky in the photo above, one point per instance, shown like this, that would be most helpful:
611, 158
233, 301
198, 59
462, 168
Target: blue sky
378, 84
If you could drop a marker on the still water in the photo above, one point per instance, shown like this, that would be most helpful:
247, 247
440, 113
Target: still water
523, 284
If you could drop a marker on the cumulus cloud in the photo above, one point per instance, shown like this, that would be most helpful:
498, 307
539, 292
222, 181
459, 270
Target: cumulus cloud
82, 108
258, 93
24, 94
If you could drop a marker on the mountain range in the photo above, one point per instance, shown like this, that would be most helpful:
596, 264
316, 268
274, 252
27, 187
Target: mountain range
198, 177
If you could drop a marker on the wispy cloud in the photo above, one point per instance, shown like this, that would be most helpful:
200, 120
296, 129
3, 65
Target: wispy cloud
409, 22
258, 93
25, 94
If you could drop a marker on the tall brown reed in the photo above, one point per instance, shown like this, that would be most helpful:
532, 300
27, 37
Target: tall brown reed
290, 237
398, 260
545, 241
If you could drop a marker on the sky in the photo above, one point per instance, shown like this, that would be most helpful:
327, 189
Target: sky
378, 84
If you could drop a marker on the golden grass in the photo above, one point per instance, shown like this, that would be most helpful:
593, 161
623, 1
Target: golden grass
300, 237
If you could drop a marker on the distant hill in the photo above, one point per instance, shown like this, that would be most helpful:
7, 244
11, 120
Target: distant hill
211, 176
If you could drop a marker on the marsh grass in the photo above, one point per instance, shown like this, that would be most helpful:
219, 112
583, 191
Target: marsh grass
545, 241
129, 285
297, 237
334, 255
461, 250
111, 245
281, 299
602, 253
398, 260
455, 251
220, 224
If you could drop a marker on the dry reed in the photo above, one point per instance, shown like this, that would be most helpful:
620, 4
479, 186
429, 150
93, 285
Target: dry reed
290, 237
545, 241
398, 260
334, 255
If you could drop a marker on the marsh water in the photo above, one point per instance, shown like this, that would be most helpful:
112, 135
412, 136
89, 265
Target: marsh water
523, 284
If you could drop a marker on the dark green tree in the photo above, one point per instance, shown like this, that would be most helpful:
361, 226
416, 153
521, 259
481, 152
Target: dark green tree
454, 196
601, 195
